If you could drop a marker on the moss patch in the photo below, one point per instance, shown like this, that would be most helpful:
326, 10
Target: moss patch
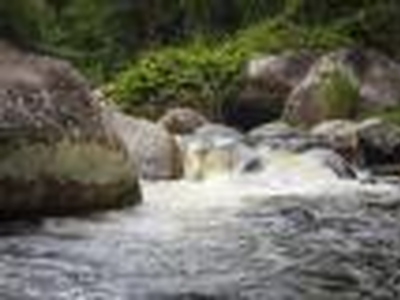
337, 93
64, 178
81, 162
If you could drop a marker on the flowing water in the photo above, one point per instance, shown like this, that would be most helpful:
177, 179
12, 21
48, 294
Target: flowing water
291, 231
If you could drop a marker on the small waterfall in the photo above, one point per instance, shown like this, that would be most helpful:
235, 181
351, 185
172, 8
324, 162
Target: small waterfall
218, 156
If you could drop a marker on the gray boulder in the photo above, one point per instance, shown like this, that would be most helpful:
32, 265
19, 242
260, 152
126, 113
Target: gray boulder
347, 83
57, 154
379, 143
329, 91
341, 136
267, 83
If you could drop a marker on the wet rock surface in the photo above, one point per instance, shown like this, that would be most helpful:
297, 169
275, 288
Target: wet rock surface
215, 243
281, 136
340, 135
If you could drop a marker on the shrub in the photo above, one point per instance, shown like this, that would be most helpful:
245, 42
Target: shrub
204, 74
197, 76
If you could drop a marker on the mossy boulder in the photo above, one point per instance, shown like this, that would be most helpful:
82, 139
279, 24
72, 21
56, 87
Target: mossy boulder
329, 91
57, 156
348, 83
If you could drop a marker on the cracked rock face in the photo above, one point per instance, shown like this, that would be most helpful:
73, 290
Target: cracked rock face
56, 153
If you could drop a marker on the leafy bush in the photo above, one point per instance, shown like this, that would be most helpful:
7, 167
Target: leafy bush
196, 75
204, 74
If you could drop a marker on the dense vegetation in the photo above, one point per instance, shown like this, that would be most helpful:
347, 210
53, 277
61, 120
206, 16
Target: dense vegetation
162, 51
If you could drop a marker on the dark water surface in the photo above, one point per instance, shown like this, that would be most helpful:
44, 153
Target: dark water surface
213, 242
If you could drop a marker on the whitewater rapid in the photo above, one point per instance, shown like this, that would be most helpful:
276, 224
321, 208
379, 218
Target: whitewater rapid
291, 231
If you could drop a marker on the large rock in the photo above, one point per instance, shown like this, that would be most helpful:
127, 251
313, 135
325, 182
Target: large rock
345, 84
329, 91
379, 143
372, 144
380, 83
182, 120
341, 136
267, 83
57, 156
154, 150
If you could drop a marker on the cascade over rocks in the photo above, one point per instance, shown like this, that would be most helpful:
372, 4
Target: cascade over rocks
153, 149
215, 150
57, 154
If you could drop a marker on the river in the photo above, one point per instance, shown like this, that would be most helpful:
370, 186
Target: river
271, 235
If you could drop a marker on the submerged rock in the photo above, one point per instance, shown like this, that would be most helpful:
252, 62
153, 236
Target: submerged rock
57, 155
182, 120
333, 161
153, 149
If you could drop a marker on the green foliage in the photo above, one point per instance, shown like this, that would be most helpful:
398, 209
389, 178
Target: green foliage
338, 93
23, 20
204, 74
196, 75
102, 36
